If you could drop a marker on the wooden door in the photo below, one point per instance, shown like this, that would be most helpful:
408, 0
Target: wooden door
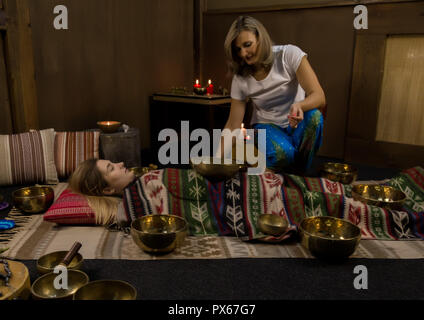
387, 84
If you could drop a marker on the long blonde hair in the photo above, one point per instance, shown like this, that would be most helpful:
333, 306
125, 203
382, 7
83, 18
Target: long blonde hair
264, 50
88, 181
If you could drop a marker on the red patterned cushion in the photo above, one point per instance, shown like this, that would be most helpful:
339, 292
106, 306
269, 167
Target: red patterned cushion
70, 208
73, 147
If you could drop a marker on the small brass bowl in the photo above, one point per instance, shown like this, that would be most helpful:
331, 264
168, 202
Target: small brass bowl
44, 287
379, 195
272, 224
139, 171
339, 172
33, 199
109, 126
329, 237
200, 91
215, 172
106, 290
159, 233
48, 262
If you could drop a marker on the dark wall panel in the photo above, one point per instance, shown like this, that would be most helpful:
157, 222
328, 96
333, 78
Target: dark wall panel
325, 34
113, 56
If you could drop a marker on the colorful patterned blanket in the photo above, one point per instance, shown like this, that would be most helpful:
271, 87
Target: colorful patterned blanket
232, 207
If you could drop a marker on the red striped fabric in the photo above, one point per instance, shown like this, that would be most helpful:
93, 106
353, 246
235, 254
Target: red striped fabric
73, 147
70, 208
27, 158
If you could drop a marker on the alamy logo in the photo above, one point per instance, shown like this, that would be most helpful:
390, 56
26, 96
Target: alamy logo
361, 20
169, 151
361, 280
61, 281
60, 21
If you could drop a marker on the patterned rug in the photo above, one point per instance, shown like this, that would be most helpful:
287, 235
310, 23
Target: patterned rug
34, 237
40, 237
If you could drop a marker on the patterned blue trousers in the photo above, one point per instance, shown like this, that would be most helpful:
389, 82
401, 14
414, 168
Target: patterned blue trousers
293, 149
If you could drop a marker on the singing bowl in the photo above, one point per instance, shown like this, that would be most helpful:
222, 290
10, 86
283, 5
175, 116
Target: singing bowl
328, 237
339, 172
48, 262
200, 91
106, 290
272, 224
33, 199
378, 195
159, 233
112, 127
139, 171
215, 172
43, 287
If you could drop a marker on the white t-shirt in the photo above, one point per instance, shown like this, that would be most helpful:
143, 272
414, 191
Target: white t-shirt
274, 95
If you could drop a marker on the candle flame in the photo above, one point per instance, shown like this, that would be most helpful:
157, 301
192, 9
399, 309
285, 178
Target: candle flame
242, 125
210, 81
197, 81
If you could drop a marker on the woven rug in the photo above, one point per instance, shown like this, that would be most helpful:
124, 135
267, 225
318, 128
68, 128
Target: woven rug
34, 237
39, 237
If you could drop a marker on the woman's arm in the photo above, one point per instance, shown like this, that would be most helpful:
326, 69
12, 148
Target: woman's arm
315, 97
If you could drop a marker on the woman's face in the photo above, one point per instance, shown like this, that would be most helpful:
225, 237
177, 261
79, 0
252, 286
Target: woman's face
246, 46
116, 175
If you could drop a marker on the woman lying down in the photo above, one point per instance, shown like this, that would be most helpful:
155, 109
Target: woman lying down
227, 208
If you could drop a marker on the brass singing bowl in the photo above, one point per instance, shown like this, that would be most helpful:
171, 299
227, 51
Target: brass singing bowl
48, 262
215, 172
329, 237
44, 286
339, 172
109, 126
33, 199
379, 195
159, 233
106, 290
139, 171
272, 224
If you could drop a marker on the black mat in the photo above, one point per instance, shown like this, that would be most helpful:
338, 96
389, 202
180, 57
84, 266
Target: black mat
260, 279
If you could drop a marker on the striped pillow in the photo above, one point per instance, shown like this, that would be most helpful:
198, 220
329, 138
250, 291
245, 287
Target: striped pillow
73, 147
27, 158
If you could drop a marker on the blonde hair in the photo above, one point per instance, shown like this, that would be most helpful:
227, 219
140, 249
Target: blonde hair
88, 181
264, 49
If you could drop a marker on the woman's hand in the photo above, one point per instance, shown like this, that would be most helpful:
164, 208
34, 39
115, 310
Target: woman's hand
295, 115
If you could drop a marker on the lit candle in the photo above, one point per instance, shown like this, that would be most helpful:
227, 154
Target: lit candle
209, 89
197, 85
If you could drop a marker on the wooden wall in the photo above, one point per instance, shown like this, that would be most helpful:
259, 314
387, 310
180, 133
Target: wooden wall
325, 34
113, 56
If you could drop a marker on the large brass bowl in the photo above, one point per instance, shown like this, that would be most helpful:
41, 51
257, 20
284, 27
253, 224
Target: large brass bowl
328, 237
379, 195
109, 126
33, 199
159, 233
48, 262
272, 224
339, 172
215, 172
106, 290
44, 287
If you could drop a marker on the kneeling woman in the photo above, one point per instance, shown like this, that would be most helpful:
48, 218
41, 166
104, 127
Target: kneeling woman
284, 90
